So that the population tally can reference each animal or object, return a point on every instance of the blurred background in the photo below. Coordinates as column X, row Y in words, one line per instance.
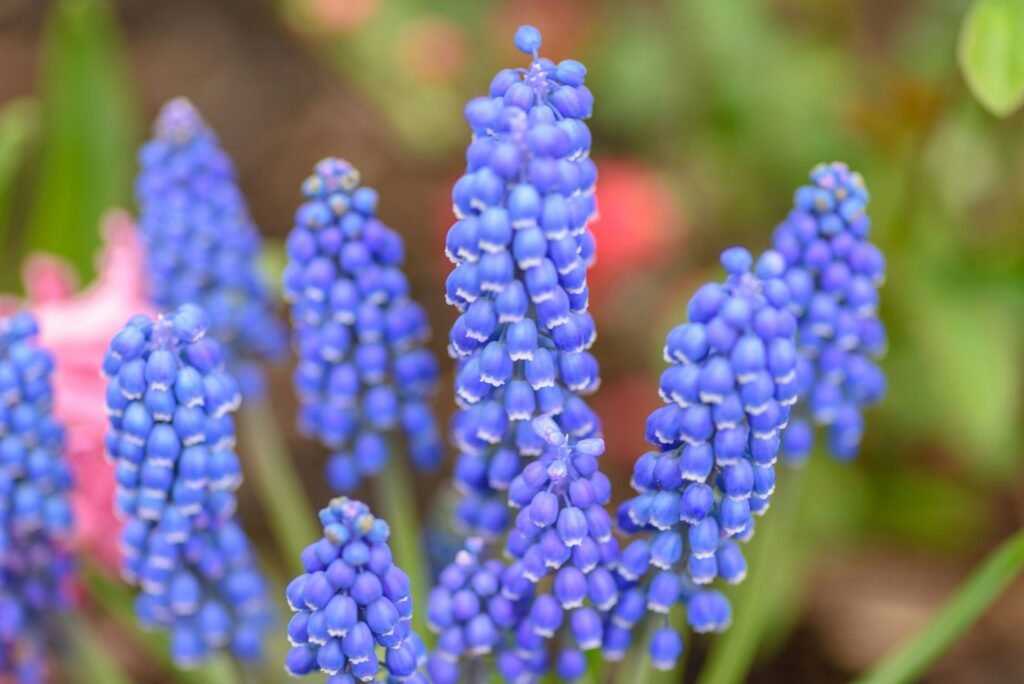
column 708, row 115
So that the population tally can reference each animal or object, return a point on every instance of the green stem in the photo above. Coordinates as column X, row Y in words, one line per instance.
column 770, row 557
column 912, row 659
column 90, row 658
column 636, row 667
column 220, row 668
column 117, row 602
column 292, row 520
column 596, row 666
column 396, row 497
column 677, row 620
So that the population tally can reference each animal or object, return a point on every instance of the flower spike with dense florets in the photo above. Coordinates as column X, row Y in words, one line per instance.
column 172, row 439
column 200, row 242
column 470, row 614
column 521, row 249
column 563, row 532
column 353, row 610
column 833, row 273
column 728, row 396
column 36, row 566
column 363, row 371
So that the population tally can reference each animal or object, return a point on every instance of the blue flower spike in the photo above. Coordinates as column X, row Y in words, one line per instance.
column 36, row 565
column 171, row 439
column 833, row 272
column 521, row 247
column 352, row 607
column 563, row 551
column 728, row 393
column 201, row 245
column 470, row 614
column 363, row 372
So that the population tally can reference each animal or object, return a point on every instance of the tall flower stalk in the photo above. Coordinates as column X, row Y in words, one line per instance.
column 353, row 609
column 521, row 248
column 201, row 245
column 833, row 272
column 170, row 403
column 728, row 394
column 36, row 566
column 363, row 374
column 527, row 440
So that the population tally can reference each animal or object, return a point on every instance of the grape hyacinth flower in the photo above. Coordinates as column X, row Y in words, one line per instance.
column 36, row 566
column 833, row 273
column 363, row 370
column 728, row 393
column 471, row 615
column 171, row 439
column 521, row 249
column 76, row 327
column 352, row 605
column 201, row 245
column 562, row 531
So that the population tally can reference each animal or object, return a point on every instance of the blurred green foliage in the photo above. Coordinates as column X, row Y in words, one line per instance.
column 732, row 103
column 90, row 131
column 18, row 123
column 908, row 662
column 992, row 55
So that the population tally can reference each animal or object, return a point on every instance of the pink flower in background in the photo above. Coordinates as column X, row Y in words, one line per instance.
column 341, row 15
column 639, row 224
column 432, row 48
column 77, row 328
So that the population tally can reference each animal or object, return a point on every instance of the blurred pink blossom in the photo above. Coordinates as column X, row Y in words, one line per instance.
column 77, row 327
column 341, row 15
column 432, row 48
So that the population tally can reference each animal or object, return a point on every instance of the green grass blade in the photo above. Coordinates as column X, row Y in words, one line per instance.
column 912, row 659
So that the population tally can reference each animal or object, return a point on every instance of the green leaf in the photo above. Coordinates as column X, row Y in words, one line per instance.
column 89, row 131
column 911, row 660
column 18, row 123
column 992, row 54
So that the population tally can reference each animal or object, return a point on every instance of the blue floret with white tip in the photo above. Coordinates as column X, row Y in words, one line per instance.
column 728, row 392
column 833, row 272
column 363, row 371
column 36, row 565
column 352, row 606
column 521, row 248
column 171, row 438
column 564, row 533
column 471, row 615
column 201, row 246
